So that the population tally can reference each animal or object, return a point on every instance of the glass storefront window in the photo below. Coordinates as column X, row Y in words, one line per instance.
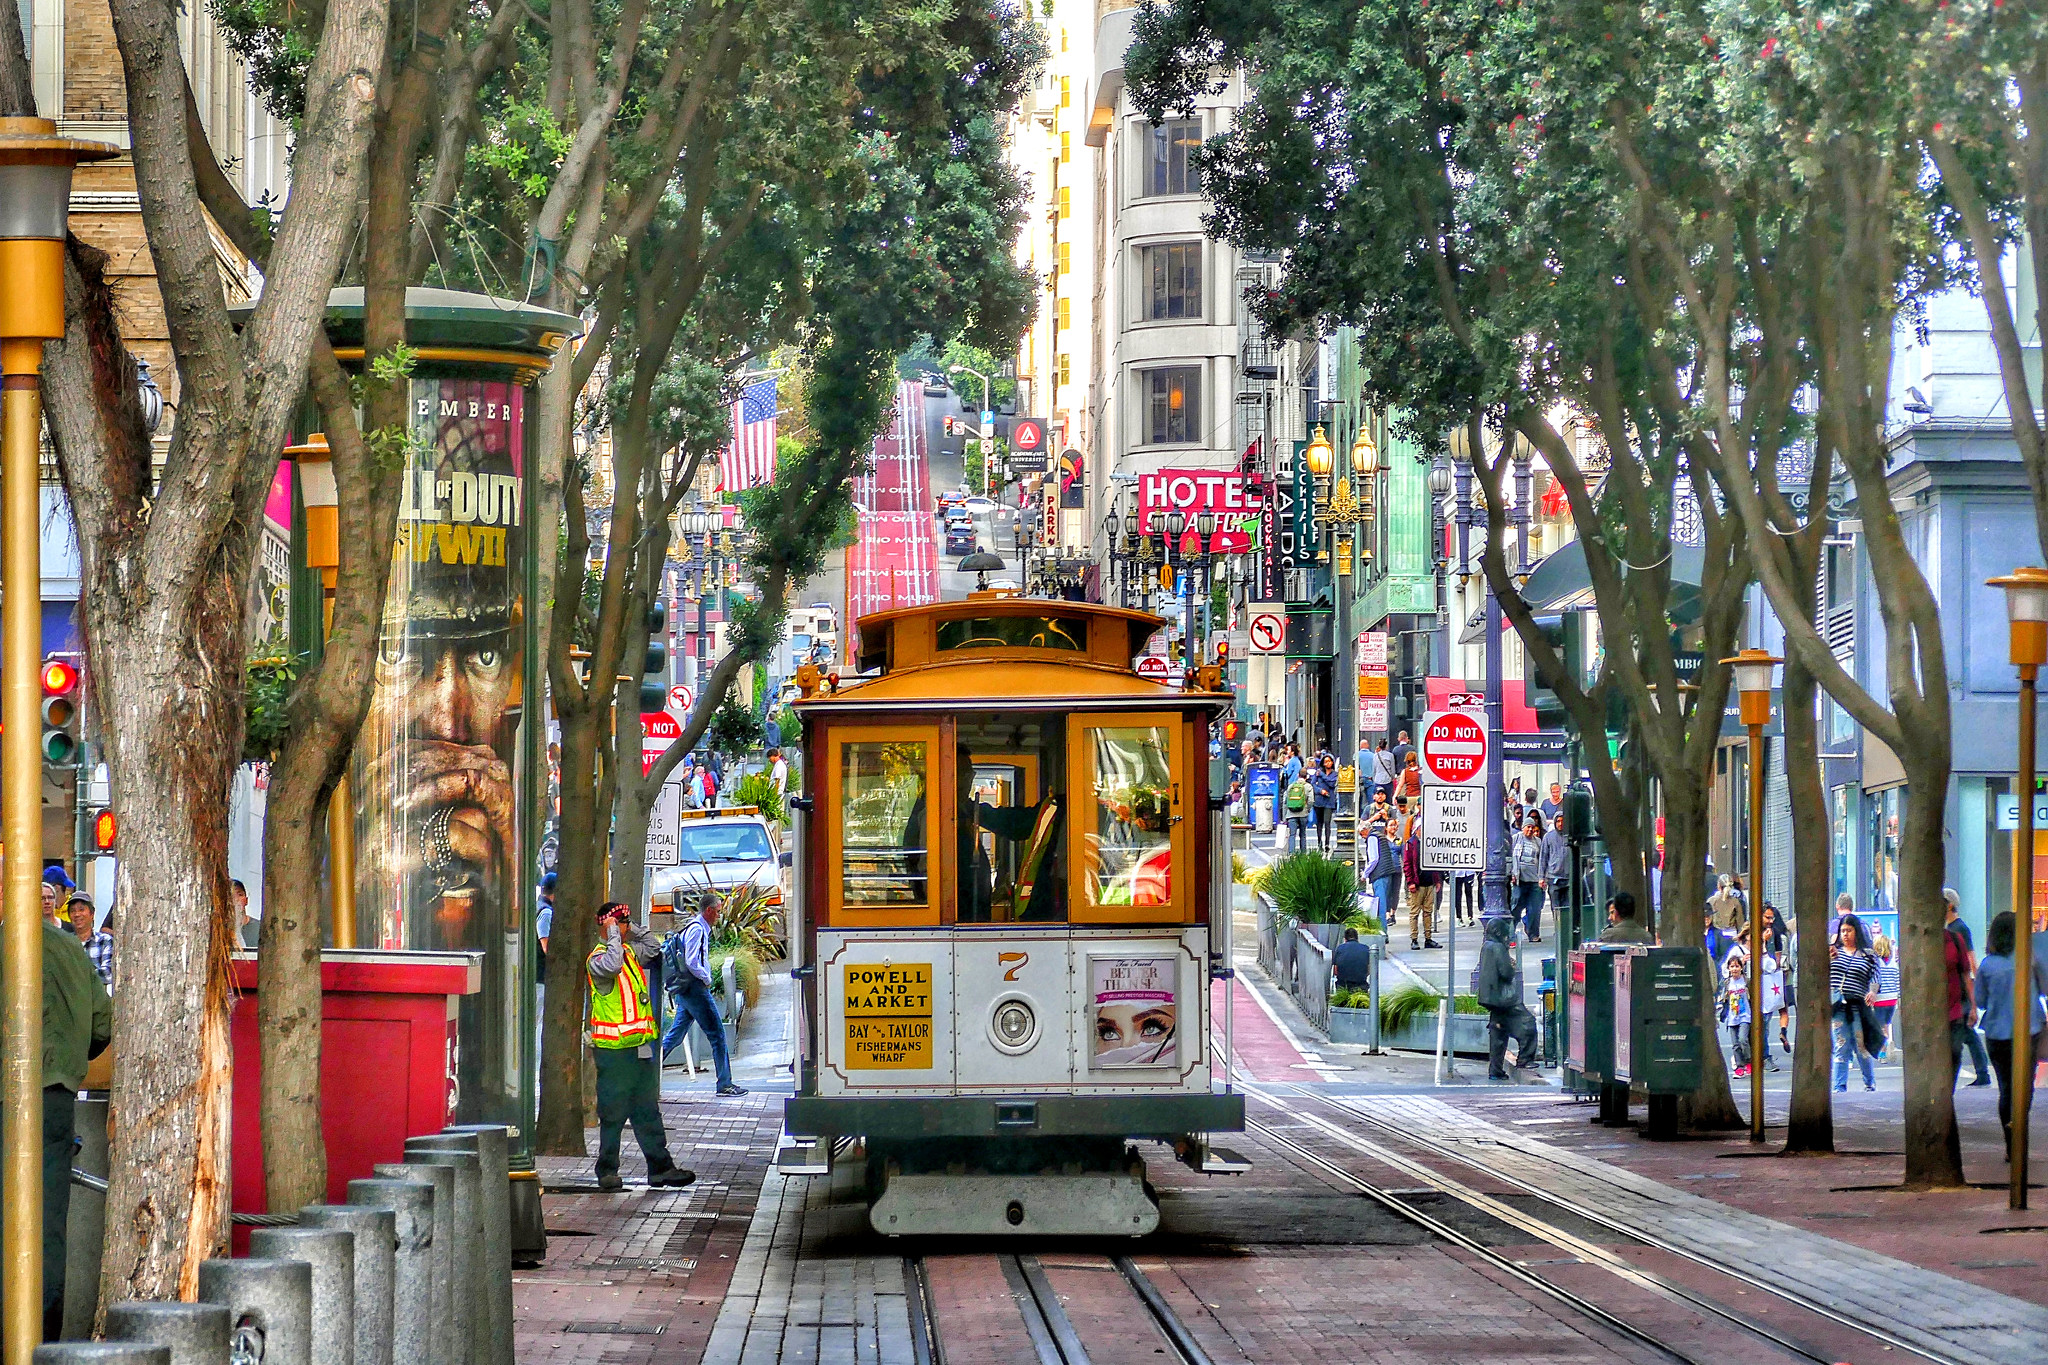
column 883, row 789
column 1129, row 817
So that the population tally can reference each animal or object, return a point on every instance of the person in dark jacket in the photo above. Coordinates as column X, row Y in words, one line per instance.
column 1500, row 991
column 1557, row 868
column 1322, row 784
column 1352, row 961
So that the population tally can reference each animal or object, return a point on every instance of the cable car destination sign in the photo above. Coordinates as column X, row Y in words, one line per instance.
column 889, row 1016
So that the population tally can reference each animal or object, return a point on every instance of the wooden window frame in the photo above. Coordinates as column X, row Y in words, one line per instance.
column 1081, row 910
column 939, row 808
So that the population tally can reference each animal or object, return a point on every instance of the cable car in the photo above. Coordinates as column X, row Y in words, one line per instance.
column 1012, row 898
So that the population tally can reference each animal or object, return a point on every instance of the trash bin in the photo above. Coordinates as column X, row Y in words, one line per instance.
column 1657, row 1039
column 1589, row 1030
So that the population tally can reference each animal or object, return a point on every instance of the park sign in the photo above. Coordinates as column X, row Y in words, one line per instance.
column 1453, row 749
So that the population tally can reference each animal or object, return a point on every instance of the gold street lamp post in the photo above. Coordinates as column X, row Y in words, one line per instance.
column 35, row 203
column 1753, row 680
column 2026, row 612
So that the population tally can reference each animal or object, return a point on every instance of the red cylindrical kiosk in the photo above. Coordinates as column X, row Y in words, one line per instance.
column 388, row 1061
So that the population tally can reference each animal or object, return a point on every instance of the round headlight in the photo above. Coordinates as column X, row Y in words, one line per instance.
column 1013, row 1027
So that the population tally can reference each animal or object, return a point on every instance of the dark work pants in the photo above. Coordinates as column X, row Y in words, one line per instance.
column 60, row 1129
column 1528, row 907
column 1501, row 1022
column 629, row 1088
column 2001, row 1067
column 1974, row 1041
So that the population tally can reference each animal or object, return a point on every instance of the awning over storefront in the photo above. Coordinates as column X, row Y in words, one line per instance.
column 1561, row 582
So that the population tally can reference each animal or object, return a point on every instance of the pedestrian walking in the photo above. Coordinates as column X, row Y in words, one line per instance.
column 778, row 771
column 1298, row 801
column 1410, row 783
column 1323, row 800
column 98, row 944
column 1993, row 990
column 622, row 1038
column 1422, row 888
column 1403, row 751
column 1290, row 765
column 1465, row 897
column 1735, row 1009
column 1553, row 804
column 78, row 1022
column 686, row 972
column 1384, row 770
column 1500, row 992
column 1557, row 867
column 1884, row 996
column 1954, row 923
column 1852, row 972
column 1962, row 998
column 1525, row 879
column 1724, row 907
column 1778, row 943
column 1380, row 856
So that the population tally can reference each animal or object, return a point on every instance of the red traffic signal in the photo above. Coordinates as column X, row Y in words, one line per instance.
column 103, row 831
column 1232, row 730
column 59, row 678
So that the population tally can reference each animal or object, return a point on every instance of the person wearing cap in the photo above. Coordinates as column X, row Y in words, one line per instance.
column 98, row 944
column 544, row 919
column 623, row 1031
column 57, row 884
column 78, row 1022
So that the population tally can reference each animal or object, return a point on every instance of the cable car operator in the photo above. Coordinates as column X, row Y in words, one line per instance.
column 1038, row 827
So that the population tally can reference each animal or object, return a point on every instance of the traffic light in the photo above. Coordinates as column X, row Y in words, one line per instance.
column 949, row 424
column 654, row 679
column 103, row 831
column 1566, row 636
column 1233, row 731
column 60, row 713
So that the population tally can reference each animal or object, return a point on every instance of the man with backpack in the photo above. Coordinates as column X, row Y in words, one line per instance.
column 686, row 970
column 1422, row 887
column 1297, row 800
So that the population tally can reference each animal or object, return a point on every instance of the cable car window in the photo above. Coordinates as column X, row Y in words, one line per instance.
column 1130, row 815
column 882, row 799
column 1011, row 826
column 1014, row 632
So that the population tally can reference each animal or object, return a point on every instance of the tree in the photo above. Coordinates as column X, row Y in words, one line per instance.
column 1385, row 152
column 166, row 564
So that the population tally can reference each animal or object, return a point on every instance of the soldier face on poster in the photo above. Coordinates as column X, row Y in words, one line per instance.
column 1131, row 1000
column 437, row 847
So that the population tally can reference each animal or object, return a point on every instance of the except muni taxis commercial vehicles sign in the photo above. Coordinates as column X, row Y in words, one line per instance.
column 888, row 1016
column 1453, row 748
column 1453, row 829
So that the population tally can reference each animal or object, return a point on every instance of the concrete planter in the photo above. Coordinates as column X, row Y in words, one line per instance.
column 1467, row 1034
column 1351, row 1026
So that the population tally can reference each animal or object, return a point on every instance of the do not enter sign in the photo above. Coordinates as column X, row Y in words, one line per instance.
column 1453, row 749
column 1153, row 667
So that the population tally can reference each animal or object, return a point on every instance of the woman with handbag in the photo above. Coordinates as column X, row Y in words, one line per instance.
column 1852, row 975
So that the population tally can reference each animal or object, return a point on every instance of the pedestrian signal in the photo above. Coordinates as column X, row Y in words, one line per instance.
column 60, row 713
column 103, row 832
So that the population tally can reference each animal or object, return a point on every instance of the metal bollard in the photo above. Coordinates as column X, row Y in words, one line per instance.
column 441, row 1252
column 332, row 1254
column 411, row 1204
column 492, row 1143
column 376, row 1233
column 270, row 1307
column 195, row 1333
column 101, row 1353
column 468, row 1309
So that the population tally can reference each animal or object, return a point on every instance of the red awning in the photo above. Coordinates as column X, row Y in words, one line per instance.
column 1517, row 716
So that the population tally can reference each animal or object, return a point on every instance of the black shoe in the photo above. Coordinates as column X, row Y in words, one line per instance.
column 1981, row 1080
column 675, row 1177
column 1431, row 943
column 1498, row 1076
column 1415, row 947
column 732, row 1090
column 609, row 1183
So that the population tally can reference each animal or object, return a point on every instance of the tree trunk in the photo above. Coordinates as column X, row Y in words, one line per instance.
column 579, row 890
column 1934, row 1152
column 1812, row 1124
column 1682, row 920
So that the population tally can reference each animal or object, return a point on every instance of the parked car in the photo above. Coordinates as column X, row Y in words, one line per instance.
column 934, row 382
column 980, row 506
column 720, row 850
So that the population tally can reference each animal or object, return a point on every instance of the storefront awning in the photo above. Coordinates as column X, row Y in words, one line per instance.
column 1561, row 582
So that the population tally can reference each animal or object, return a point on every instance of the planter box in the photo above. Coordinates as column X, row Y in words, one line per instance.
column 1351, row 1026
column 1467, row 1034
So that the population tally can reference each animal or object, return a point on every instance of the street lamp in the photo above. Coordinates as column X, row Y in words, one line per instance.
column 35, row 207
column 1753, row 680
column 2026, row 612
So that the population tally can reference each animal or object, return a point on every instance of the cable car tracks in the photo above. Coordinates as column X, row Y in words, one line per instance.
column 1128, row 1317
column 1579, row 1248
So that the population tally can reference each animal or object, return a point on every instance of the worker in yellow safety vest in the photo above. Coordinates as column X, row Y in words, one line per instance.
column 623, row 1030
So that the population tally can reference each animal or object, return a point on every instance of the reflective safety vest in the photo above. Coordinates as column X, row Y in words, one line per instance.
column 621, row 1017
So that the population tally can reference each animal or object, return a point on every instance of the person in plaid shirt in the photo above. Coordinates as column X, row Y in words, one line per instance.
column 98, row 946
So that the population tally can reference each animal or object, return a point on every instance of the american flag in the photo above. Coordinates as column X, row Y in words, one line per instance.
column 749, row 461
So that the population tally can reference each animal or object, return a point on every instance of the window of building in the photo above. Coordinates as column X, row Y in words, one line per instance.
column 1173, row 405
column 1066, row 147
column 1063, row 256
column 1168, row 169
column 1066, row 202
column 1172, row 280
column 1063, row 369
column 1062, row 312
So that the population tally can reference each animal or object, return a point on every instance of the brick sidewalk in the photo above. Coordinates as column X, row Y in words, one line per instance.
column 636, row 1278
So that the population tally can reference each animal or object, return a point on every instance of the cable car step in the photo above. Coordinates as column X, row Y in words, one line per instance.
column 1101, row 1204
column 1223, row 1161
column 803, row 1155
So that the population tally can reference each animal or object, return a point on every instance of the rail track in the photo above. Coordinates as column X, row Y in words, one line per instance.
column 1591, row 1253
column 1141, row 1312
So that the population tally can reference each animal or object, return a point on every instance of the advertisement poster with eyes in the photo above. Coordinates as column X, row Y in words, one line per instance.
column 1136, row 1020
column 433, row 772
